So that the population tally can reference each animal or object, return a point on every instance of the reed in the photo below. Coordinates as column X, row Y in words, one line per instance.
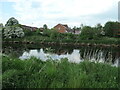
column 35, row 73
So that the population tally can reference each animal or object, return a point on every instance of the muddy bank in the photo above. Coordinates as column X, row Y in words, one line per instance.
column 63, row 44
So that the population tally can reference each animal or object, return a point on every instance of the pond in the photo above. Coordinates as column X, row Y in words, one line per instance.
column 109, row 55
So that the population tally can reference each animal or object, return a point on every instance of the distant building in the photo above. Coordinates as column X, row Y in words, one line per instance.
column 116, row 31
column 62, row 28
column 29, row 28
column 77, row 32
column 41, row 29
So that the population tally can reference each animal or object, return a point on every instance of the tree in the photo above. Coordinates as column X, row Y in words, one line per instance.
column 54, row 34
column 81, row 26
column 45, row 27
column 1, row 30
column 99, row 30
column 88, row 33
column 13, row 32
column 111, row 28
column 12, row 29
column 12, row 21
column 108, row 28
column 1, row 26
column 99, row 26
column 38, row 31
column 74, row 28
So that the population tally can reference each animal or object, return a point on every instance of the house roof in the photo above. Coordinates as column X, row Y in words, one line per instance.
column 29, row 27
column 64, row 25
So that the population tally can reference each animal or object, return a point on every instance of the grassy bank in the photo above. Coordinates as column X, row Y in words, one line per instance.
column 34, row 73
column 46, row 39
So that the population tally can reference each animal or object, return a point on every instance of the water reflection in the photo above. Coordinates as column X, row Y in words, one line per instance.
column 74, row 54
column 96, row 55
column 73, row 57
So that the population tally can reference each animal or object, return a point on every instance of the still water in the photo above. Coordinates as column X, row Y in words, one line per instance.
column 74, row 54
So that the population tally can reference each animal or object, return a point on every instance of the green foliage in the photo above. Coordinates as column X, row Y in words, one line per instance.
column 93, row 35
column 12, row 21
column 111, row 28
column 38, row 32
column 34, row 73
column 12, row 29
column 13, row 32
column 99, row 26
column 28, row 32
column 89, row 33
column 1, row 30
column 76, row 28
column 10, row 65
column 52, row 34
column 45, row 27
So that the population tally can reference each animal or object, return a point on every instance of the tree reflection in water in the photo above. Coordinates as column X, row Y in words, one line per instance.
column 75, row 54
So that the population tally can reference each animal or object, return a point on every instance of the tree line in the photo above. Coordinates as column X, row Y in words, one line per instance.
column 13, row 29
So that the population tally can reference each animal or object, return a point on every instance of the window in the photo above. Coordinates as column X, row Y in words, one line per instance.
column 59, row 28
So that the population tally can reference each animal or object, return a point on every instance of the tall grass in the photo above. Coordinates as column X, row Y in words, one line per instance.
column 34, row 73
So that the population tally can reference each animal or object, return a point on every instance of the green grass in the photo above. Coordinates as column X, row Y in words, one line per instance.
column 66, row 39
column 34, row 73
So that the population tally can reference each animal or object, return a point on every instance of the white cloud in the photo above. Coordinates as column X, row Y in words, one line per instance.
column 9, row 0
column 36, row 12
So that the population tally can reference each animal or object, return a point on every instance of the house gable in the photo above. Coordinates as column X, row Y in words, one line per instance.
column 61, row 28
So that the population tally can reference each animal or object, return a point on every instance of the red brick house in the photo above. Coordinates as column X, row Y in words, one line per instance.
column 61, row 28
column 117, row 31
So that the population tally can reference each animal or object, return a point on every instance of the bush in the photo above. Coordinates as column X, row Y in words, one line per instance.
column 89, row 33
column 13, row 32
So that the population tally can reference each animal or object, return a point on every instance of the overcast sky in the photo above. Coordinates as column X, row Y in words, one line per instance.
column 51, row 12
